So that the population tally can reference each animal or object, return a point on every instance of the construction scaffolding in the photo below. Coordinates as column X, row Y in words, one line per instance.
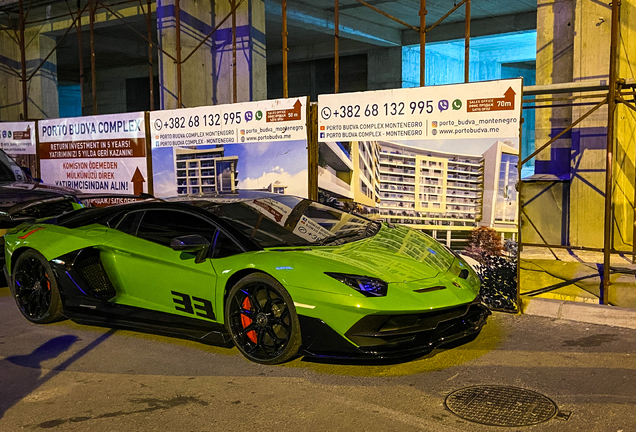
column 618, row 91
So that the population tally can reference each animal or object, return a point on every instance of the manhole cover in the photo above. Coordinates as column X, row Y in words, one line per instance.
column 500, row 406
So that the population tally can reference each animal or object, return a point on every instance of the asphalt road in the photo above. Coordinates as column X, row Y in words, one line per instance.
column 67, row 377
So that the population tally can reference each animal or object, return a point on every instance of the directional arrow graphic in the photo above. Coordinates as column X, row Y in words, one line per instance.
column 285, row 115
column 493, row 104
column 138, row 182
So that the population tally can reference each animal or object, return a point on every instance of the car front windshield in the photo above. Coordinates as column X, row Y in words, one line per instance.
column 292, row 221
column 9, row 170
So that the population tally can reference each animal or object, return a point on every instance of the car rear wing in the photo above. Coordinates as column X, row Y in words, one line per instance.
column 31, row 210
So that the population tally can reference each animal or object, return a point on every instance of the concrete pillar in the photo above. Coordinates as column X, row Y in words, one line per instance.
column 589, row 140
column 625, row 132
column 10, row 90
column 555, row 42
column 41, row 89
column 207, row 75
column 384, row 69
column 573, row 40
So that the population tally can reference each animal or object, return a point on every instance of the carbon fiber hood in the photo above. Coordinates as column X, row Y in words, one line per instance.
column 398, row 254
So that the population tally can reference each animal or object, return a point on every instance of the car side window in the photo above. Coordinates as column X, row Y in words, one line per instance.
column 161, row 226
column 129, row 223
column 224, row 246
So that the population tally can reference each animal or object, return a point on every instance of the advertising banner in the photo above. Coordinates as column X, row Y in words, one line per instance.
column 441, row 158
column 18, row 138
column 95, row 154
column 223, row 149
column 483, row 110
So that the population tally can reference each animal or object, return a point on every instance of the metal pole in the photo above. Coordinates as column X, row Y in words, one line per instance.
column 284, row 34
column 150, row 68
column 25, row 100
column 177, row 12
column 467, row 45
column 234, row 87
column 564, row 131
column 519, row 187
column 389, row 16
column 634, row 230
column 209, row 35
column 336, row 58
column 422, row 43
column 611, row 105
column 446, row 15
column 312, row 153
column 81, row 56
column 91, row 10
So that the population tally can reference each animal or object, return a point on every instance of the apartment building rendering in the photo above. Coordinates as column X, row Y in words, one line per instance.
column 201, row 171
column 350, row 171
column 448, row 194
column 445, row 194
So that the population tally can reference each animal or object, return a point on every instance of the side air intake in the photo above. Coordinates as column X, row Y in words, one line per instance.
column 89, row 266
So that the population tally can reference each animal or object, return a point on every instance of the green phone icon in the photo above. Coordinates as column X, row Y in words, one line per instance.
column 457, row 104
column 259, row 115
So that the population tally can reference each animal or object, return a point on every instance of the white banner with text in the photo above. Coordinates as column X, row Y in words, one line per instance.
column 95, row 154
column 18, row 138
column 222, row 149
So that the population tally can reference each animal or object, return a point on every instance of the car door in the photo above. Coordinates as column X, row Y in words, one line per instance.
column 150, row 275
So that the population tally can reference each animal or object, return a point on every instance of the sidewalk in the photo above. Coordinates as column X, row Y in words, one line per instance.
column 577, row 311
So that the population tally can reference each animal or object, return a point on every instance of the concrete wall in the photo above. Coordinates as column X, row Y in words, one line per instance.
column 111, row 89
column 41, row 89
column 207, row 75
column 445, row 60
column 385, row 67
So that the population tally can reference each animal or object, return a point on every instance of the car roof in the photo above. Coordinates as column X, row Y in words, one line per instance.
column 105, row 215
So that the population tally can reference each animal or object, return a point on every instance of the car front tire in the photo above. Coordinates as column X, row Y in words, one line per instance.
column 261, row 317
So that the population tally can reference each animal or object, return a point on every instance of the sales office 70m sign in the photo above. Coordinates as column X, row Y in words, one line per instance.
column 96, row 154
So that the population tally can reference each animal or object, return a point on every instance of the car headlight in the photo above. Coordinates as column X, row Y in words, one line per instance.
column 367, row 286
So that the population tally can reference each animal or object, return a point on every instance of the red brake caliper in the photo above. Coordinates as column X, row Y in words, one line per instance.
column 246, row 321
column 48, row 283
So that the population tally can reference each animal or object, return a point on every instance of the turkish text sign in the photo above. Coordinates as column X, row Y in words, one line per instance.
column 95, row 154
column 18, row 138
column 473, row 110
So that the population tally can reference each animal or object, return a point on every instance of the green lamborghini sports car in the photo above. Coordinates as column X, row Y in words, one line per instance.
column 277, row 276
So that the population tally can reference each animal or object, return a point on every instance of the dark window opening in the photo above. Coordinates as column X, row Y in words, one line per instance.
column 138, row 94
column 161, row 226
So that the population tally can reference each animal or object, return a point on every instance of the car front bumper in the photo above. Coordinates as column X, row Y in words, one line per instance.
column 393, row 336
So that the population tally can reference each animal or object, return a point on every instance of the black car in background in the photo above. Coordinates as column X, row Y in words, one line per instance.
column 22, row 198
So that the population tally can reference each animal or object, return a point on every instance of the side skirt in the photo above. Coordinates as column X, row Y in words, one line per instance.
column 144, row 320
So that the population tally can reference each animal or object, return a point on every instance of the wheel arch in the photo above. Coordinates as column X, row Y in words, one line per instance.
column 233, row 280
column 16, row 254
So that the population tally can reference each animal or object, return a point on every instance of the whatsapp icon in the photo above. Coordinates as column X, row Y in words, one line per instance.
column 457, row 104
column 259, row 115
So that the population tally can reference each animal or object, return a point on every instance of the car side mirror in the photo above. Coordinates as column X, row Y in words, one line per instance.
column 193, row 243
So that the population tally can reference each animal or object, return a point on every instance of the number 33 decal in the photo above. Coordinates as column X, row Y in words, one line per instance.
column 188, row 304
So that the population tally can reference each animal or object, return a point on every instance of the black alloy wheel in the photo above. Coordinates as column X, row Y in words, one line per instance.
column 35, row 289
column 261, row 317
